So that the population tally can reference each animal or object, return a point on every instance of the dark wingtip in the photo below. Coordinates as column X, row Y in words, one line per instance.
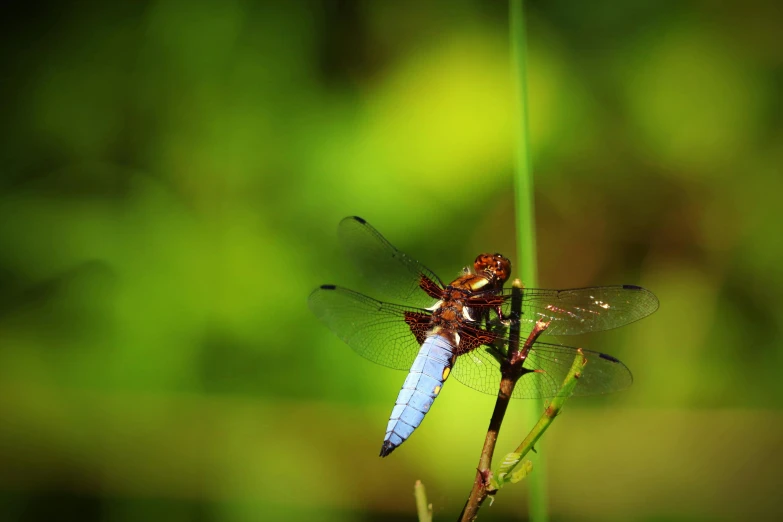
column 328, row 287
column 652, row 299
column 360, row 220
column 387, row 448
column 608, row 357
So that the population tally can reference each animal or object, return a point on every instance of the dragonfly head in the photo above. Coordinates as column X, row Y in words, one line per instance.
column 494, row 266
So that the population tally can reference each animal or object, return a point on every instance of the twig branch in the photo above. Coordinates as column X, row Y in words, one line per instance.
column 510, row 374
column 512, row 368
column 486, row 484
column 551, row 411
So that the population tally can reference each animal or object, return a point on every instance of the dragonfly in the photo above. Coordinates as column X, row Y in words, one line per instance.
column 435, row 330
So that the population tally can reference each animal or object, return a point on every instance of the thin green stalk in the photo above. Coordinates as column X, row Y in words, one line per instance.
column 523, row 171
column 551, row 411
column 423, row 508
column 526, row 230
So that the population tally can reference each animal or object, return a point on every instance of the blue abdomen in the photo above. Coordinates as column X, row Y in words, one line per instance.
column 425, row 379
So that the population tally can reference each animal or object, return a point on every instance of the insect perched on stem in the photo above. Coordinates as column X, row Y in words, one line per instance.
column 461, row 328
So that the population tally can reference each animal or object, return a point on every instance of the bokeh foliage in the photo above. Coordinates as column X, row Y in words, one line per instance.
column 172, row 176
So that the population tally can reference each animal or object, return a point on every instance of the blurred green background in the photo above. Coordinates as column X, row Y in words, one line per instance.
column 172, row 176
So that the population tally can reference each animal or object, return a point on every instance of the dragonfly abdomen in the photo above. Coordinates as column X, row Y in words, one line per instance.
column 425, row 379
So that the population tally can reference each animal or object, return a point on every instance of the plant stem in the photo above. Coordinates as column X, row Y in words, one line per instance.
column 523, row 172
column 510, row 374
column 479, row 492
column 482, row 486
column 554, row 408
column 422, row 507
column 525, row 207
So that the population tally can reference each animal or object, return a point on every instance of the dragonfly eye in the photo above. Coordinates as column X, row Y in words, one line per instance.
column 495, row 265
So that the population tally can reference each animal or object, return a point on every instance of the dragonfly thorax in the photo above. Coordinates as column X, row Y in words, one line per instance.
column 451, row 313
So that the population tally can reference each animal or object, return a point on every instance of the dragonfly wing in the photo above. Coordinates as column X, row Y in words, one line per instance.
column 384, row 333
column 392, row 273
column 478, row 369
column 582, row 310
column 601, row 375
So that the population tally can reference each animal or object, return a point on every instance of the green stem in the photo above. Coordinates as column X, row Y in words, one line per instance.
column 422, row 507
column 553, row 410
column 525, row 207
column 523, row 173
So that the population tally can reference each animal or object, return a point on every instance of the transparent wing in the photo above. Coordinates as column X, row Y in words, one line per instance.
column 393, row 274
column 381, row 332
column 478, row 369
column 390, row 335
column 582, row 310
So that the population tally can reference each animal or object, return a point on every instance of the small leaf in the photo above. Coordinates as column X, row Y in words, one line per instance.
column 509, row 461
column 522, row 472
